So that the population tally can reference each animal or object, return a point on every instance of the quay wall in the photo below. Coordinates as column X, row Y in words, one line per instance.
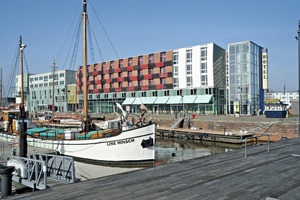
column 258, row 125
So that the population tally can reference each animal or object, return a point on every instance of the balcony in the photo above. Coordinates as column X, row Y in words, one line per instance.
column 148, row 76
column 159, row 87
column 146, row 87
column 106, row 90
column 159, row 64
column 145, row 66
column 121, row 79
column 109, row 80
column 130, row 88
column 163, row 75
column 95, row 73
column 129, row 68
column 133, row 78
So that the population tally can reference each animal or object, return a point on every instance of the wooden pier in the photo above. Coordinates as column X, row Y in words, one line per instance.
column 205, row 135
column 262, row 174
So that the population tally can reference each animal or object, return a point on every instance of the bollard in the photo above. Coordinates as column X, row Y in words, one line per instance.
column 6, row 180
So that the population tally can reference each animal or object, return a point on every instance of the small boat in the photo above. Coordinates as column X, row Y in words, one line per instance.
column 118, row 142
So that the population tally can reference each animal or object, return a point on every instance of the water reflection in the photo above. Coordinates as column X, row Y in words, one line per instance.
column 174, row 150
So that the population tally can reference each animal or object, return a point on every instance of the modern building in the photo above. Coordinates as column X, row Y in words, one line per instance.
column 247, row 78
column 201, row 79
column 187, row 79
column 284, row 97
column 38, row 91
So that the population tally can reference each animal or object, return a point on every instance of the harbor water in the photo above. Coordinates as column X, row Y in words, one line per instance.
column 167, row 151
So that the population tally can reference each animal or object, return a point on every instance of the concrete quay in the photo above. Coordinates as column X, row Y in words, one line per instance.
column 243, row 125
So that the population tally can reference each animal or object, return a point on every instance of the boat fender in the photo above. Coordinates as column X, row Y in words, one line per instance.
column 147, row 143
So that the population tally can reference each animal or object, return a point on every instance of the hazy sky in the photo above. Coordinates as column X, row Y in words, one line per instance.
column 137, row 27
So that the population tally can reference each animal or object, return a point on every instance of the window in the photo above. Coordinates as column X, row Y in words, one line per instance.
column 61, row 75
column 143, row 94
column 203, row 68
column 175, row 70
column 175, row 82
column 45, row 78
column 193, row 91
column 151, row 82
column 167, row 93
column 203, row 53
column 120, row 63
column 130, row 63
column 163, row 81
column 140, row 60
column 204, row 80
column 162, row 56
column 189, row 69
column 189, row 55
column 175, row 57
column 151, row 58
column 189, row 81
column 150, row 71
column 40, row 78
column 154, row 93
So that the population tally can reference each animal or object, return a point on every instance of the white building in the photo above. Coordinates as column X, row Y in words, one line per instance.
column 38, row 90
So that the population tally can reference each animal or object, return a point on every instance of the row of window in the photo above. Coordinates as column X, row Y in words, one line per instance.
column 210, row 91
column 46, row 84
column 46, row 78
column 130, row 61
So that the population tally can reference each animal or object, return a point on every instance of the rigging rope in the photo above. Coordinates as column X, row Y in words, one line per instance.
column 75, row 50
column 105, row 32
column 10, row 83
column 60, row 52
column 91, row 43
column 99, row 51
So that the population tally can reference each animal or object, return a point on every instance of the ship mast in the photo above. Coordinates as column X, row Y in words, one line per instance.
column 84, row 69
column 23, row 125
column 22, row 109
column 53, row 82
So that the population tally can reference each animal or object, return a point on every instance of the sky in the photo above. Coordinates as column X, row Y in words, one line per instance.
column 137, row 27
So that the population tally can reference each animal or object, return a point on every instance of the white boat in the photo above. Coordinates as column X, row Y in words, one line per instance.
column 121, row 142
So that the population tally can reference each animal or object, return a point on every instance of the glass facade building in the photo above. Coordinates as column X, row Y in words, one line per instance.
column 245, row 91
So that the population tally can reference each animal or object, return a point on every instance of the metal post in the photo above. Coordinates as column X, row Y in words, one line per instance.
column 268, row 142
column 298, row 38
column 182, row 106
column 245, row 147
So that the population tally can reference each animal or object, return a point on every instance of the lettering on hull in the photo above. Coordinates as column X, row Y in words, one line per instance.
column 118, row 142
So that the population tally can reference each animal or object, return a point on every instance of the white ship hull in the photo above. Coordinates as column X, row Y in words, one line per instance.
column 123, row 148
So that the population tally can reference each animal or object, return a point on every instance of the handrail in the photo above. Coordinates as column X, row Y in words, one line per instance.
column 268, row 134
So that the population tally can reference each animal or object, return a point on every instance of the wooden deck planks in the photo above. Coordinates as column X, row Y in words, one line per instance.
column 222, row 176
